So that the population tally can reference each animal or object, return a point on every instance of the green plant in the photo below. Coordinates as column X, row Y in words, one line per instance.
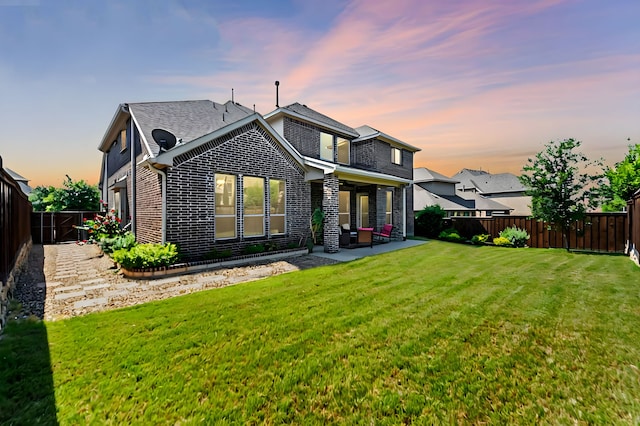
column 102, row 226
column 117, row 242
column 479, row 239
column 429, row 221
column 218, row 254
column 253, row 249
column 502, row 241
column 147, row 256
column 73, row 195
column 316, row 224
column 517, row 236
column 451, row 235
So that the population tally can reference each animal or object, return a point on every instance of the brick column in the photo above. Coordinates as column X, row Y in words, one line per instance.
column 330, row 188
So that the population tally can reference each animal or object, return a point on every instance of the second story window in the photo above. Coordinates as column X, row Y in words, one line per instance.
column 396, row 156
column 326, row 146
column 343, row 151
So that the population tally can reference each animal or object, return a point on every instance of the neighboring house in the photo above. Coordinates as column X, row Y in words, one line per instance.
column 431, row 188
column 233, row 178
column 504, row 188
column 21, row 180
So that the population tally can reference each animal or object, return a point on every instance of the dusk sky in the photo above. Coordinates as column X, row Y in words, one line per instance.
column 475, row 84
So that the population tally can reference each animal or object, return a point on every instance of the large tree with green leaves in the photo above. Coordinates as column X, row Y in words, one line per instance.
column 623, row 181
column 560, row 185
column 72, row 196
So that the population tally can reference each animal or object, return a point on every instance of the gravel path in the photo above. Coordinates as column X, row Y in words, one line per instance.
column 67, row 280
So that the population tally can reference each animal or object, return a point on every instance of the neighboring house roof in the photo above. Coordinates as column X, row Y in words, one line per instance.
column 459, row 202
column 487, row 183
column 303, row 112
column 368, row 132
column 22, row 181
column 422, row 174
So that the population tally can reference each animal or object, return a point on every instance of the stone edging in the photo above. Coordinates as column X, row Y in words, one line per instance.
column 191, row 267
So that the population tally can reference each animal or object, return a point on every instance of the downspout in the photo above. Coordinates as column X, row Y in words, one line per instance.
column 134, row 197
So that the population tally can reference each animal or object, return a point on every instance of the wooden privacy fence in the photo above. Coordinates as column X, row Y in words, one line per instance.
column 58, row 227
column 602, row 232
column 15, row 210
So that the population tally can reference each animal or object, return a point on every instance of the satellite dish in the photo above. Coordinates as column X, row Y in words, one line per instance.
column 165, row 139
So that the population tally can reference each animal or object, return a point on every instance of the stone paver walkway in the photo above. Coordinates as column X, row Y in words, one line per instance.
column 79, row 279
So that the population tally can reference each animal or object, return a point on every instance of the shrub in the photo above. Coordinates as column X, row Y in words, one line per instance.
column 429, row 221
column 147, row 256
column 111, row 244
column 104, row 226
column 517, row 236
column 253, row 249
column 451, row 235
column 502, row 241
column 479, row 239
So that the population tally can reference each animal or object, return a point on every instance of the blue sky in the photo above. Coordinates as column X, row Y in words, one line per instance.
column 476, row 84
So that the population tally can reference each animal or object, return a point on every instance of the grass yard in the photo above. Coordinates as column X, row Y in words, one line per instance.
column 440, row 333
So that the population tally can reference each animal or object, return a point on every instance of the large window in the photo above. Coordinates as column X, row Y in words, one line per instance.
column 388, row 216
column 253, row 204
column 225, row 214
column 344, row 207
column 396, row 156
column 343, row 151
column 277, row 202
column 326, row 146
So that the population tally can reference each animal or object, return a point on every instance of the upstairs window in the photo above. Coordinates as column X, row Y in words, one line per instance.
column 326, row 146
column 123, row 140
column 343, row 151
column 253, row 202
column 225, row 214
column 396, row 156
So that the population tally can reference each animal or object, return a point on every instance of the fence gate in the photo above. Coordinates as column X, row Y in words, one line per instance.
column 57, row 227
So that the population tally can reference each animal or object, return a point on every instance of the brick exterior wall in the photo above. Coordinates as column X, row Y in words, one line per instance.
column 249, row 151
column 149, row 211
column 331, row 186
column 303, row 136
column 375, row 155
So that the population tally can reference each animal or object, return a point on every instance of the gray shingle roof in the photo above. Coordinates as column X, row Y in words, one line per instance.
column 187, row 120
column 422, row 174
column 487, row 183
column 320, row 118
column 459, row 202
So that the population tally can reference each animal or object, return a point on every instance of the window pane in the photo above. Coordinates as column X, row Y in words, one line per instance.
column 225, row 227
column 253, row 225
column 226, row 193
column 344, row 206
column 326, row 146
column 277, row 225
column 225, row 206
column 277, row 196
column 396, row 156
column 389, row 208
column 343, row 151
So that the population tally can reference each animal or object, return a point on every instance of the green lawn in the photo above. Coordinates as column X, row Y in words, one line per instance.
column 440, row 333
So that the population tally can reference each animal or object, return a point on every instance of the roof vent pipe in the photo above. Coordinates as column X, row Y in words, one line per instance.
column 277, row 102
column 232, row 101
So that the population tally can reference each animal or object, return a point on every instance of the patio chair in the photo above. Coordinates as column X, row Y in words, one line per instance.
column 385, row 232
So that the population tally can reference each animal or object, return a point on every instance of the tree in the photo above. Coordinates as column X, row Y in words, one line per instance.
column 561, row 190
column 623, row 181
column 73, row 196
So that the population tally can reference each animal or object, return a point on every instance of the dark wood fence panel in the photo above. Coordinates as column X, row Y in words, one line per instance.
column 15, row 234
column 602, row 232
column 58, row 227
column 633, row 219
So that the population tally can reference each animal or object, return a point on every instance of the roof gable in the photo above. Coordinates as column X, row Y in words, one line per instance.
column 303, row 112
column 368, row 132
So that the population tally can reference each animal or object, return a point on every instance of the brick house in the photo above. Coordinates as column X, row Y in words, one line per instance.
column 234, row 178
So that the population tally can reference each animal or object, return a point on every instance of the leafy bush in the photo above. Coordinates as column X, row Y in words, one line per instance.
column 451, row 235
column 111, row 244
column 253, row 249
column 218, row 254
column 147, row 256
column 104, row 226
column 517, row 236
column 502, row 241
column 429, row 221
column 479, row 239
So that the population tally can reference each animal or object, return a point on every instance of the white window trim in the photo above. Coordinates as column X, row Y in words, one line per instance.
column 263, row 215
column 284, row 215
column 216, row 215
